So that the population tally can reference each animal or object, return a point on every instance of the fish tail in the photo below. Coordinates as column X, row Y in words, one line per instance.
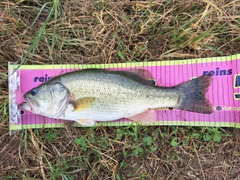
column 193, row 95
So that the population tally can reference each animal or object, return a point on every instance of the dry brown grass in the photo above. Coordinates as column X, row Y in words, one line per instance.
column 117, row 31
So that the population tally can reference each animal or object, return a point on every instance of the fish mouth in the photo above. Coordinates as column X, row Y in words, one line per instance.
column 32, row 103
column 25, row 106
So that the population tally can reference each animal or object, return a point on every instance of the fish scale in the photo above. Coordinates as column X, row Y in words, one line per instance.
column 112, row 85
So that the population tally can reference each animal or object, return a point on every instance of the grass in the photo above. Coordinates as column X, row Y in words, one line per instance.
column 46, row 32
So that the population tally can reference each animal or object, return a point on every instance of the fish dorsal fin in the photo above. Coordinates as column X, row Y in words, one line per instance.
column 140, row 75
column 83, row 103
column 143, row 73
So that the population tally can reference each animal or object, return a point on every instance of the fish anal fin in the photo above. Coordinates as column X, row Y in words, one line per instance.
column 146, row 117
column 83, row 103
column 85, row 122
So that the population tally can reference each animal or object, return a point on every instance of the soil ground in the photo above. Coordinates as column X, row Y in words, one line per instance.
column 105, row 31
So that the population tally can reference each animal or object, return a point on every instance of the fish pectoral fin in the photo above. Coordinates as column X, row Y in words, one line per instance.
column 85, row 122
column 83, row 103
column 146, row 117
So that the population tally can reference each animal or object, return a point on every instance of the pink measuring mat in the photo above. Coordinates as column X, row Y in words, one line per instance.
column 223, row 93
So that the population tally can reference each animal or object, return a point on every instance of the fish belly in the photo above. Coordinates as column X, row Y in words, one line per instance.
column 105, row 110
column 109, row 109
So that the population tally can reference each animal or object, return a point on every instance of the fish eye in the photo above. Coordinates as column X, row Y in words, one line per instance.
column 34, row 91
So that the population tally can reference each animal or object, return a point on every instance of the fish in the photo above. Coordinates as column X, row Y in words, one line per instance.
column 89, row 96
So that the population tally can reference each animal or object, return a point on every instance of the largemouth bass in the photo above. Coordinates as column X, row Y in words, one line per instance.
column 91, row 95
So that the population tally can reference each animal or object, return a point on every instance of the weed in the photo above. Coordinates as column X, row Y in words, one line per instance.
column 4, row 108
column 174, row 142
column 138, row 151
column 51, row 136
column 42, row 31
column 82, row 142
column 213, row 134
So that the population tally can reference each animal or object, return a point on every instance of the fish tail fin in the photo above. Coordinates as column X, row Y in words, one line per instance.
column 193, row 95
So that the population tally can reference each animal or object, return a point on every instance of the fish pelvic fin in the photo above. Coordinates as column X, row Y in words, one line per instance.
column 85, row 122
column 193, row 95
